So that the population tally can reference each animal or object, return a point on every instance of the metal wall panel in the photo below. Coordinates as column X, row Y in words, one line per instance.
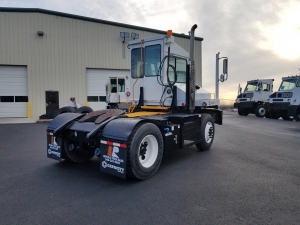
column 58, row 60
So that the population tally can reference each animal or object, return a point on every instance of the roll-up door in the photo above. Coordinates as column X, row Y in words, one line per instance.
column 13, row 91
column 95, row 82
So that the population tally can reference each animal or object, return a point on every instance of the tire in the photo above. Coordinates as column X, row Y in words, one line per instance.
column 297, row 115
column 73, row 152
column 144, row 151
column 84, row 109
column 273, row 115
column 242, row 112
column 287, row 117
column 66, row 109
column 261, row 111
column 207, row 132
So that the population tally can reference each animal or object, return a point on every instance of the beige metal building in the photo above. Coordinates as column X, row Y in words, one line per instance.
column 48, row 56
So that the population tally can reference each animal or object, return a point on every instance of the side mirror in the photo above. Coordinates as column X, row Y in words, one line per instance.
column 197, row 86
column 225, row 66
column 222, row 78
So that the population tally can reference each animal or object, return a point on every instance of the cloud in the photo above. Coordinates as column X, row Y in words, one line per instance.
column 282, row 38
column 255, row 35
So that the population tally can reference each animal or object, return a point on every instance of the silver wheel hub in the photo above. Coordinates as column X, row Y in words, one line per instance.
column 148, row 151
column 262, row 111
column 209, row 132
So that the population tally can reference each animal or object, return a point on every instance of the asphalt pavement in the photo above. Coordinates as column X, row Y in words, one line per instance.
column 251, row 175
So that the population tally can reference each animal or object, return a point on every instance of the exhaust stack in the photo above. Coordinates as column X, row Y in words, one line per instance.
column 192, row 71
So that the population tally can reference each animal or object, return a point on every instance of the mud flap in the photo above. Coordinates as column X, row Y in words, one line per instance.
column 54, row 145
column 113, row 158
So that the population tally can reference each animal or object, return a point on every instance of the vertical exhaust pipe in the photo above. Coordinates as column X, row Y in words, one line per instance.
column 192, row 71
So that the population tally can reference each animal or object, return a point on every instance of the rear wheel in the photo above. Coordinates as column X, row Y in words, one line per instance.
column 242, row 112
column 273, row 115
column 144, row 151
column 84, row 109
column 66, row 109
column 261, row 111
column 297, row 115
column 207, row 132
column 75, row 152
column 285, row 116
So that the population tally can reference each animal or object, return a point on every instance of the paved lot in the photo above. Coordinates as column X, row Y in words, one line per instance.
column 251, row 175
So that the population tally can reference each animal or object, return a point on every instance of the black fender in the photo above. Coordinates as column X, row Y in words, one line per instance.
column 120, row 129
column 62, row 120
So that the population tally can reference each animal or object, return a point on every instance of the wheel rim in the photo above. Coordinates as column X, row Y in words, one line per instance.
column 148, row 151
column 209, row 132
column 262, row 111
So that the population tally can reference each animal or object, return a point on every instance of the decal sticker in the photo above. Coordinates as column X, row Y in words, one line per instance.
column 54, row 145
column 113, row 159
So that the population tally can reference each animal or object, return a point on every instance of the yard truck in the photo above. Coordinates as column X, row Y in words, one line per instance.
column 164, row 112
column 285, row 102
column 254, row 98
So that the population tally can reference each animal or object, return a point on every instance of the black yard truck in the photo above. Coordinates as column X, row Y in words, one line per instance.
column 164, row 112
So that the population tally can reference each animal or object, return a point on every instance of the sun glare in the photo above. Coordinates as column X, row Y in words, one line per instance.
column 283, row 38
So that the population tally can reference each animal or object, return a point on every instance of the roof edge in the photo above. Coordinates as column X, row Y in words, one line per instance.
column 50, row 12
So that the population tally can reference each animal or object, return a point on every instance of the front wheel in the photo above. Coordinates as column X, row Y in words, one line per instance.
column 261, row 111
column 207, row 132
column 144, row 151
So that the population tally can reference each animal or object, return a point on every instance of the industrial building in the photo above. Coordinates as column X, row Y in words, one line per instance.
column 46, row 57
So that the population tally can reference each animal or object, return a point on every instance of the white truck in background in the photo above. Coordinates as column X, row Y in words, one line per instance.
column 285, row 102
column 254, row 97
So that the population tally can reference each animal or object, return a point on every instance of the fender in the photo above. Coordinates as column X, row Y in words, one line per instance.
column 120, row 129
column 62, row 120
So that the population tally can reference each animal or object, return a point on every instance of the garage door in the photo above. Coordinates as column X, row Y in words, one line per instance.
column 13, row 91
column 95, row 85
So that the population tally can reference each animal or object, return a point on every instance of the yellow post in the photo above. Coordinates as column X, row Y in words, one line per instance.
column 28, row 110
column 86, row 104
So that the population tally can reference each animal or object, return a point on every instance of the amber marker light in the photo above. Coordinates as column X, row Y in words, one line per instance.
column 169, row 33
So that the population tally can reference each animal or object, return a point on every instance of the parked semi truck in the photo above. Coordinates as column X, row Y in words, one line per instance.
column 285, row 102
column 164, row 113
column 254, row 97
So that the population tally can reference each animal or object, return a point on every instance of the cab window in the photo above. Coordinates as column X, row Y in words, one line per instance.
column 136, row 64
column 180, row 67
column 121, row 85
column 152, row 60
column 266, row 87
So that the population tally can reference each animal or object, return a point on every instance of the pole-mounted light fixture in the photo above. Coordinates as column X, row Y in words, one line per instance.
column 124, row 35
column 40, row 33
column 134, row 36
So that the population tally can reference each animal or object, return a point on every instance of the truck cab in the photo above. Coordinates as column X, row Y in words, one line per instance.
column 254, row 97
column 285, row 102
column 117, row 91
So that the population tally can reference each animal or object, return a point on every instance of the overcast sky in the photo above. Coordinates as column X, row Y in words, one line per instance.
column 260, row 38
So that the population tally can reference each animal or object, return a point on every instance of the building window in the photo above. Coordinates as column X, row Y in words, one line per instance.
column 92, row 98
column 21, row 98
column 102, row 98
column 6, row 98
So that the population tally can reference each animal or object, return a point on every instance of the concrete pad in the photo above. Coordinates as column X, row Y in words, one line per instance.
column 16, row 120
